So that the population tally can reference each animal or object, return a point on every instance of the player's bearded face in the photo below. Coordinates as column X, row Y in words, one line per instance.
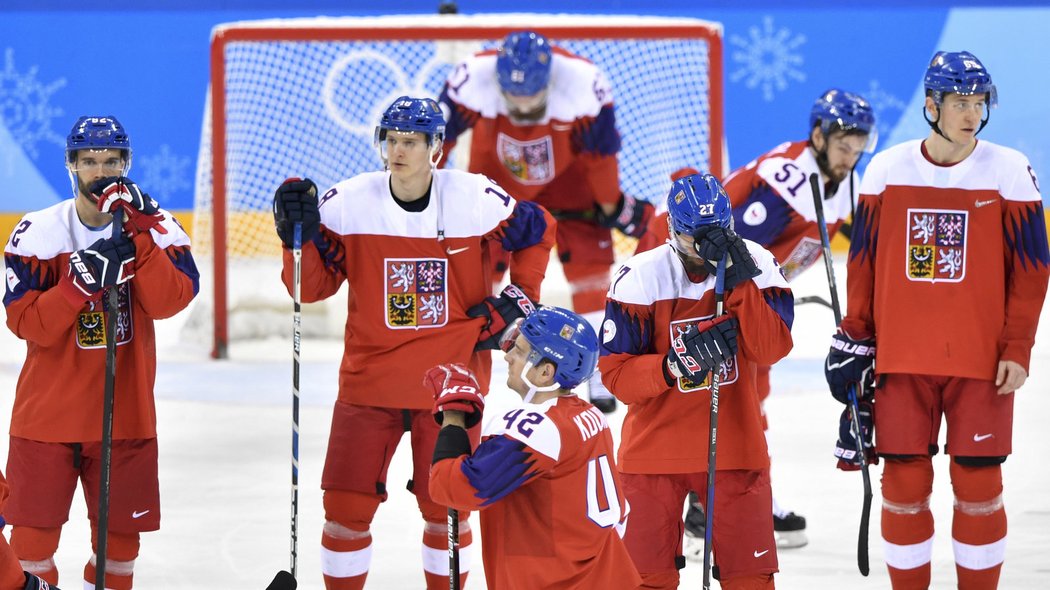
column 527, row 108
column 683, row 246
column 90, row 165
column 840, row 154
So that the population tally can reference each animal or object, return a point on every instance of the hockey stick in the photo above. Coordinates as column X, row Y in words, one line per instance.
column 813, row 299
column 297, row 332
column 862, row 540
column 712, row 442
column 453, row 549
column 113, row 303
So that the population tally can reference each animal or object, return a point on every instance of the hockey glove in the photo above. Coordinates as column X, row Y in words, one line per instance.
column 703, row 347
column 105, row 263
column 499, row 312
column 631, row 216
column 741, row 266
column 846, row 445
column 455, row 389
column 850, row 362
column 711, row 243
column 296, row 202
column 142, row 212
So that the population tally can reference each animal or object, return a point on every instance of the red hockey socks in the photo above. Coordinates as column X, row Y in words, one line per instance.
column 907, row 523
column 435, row 554
column 121, row 551
column 35, row 548
column 978, row 525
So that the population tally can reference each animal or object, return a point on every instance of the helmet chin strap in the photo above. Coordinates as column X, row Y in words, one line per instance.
column 533, row 388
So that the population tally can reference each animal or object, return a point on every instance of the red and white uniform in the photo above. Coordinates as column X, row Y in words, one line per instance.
column 552, row 508
column 773, row 205
column 409, row 290
column 565, row 161
column 934, row 244
column 948, row 270
column 58, row 397
column 651, row 297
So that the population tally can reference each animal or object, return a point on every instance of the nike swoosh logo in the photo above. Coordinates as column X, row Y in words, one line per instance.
column 983, row 203
column 138, row 514
column 761, row 553
column 452, row 251
column 980, row 437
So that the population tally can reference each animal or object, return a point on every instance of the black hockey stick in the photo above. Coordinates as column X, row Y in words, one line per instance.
column 813, row 299
column 712, row 441
column 453, row 549
column 113, row 305
column 862, row 540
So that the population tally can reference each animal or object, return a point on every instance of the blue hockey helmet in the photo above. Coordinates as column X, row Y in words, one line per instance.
column 523, row 64
column 959, row 72
column 413, row 115
column 565, row 339
column 839, row 110
column 695, row 201
column 98, row 133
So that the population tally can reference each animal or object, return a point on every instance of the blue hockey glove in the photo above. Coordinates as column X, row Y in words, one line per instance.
column 850, row 362
column 296, row 202
column 703, row 347
column 105, row 263
column 846, row 445
column 742, row 266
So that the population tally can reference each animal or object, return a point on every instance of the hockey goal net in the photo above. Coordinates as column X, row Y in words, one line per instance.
column 301, row 97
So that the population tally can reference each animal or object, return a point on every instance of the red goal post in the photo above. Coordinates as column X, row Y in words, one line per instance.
column 301, row 97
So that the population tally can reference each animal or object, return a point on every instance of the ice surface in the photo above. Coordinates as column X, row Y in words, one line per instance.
column 225, row 429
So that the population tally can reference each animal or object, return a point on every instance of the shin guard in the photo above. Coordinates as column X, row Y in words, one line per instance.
column 907, row 523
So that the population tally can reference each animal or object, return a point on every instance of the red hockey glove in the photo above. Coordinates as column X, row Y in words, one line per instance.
column 142, row 212
column 499, row 312
column 455, row 389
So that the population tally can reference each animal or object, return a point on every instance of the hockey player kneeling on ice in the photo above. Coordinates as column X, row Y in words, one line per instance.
column 544, row 477
column 949, row 238
column 409, row 240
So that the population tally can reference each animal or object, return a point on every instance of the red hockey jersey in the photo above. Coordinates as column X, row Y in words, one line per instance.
column 60, row 389
column 566, row 161
column 651, row 297
column 413, row 275
column 552, row 508
column 948, row 264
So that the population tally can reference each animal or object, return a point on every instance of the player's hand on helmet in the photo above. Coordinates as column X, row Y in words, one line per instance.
column 703, row 347
column 455, row 389
column 105, row 263
column 711, row 242
column 846, row 445
column 499, row 312
column 850, row 363
column 630, row 217
column 296, row 202
column 117, row 192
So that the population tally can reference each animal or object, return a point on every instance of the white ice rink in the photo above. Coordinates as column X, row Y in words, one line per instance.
column 225, row 427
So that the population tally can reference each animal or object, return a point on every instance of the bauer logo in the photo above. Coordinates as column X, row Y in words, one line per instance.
column 728, row 374
column 530, row 162
column 416, row 292
column 936, row 245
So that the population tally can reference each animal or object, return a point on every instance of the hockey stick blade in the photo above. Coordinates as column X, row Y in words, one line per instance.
column 813, row 299
column 283, row 581
column 862, row 541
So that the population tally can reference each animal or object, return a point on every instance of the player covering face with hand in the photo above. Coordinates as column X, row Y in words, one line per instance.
column 947, row 273
column 409, row 240
column 544, row 476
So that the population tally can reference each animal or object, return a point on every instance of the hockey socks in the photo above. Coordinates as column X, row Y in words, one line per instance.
column 907, row 523
column 978, row 525
column 345, row 556
column 435, row 554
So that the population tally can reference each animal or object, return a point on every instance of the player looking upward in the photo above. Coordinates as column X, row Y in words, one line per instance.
column 410, row 241
column 544, row 126
column 544, row 477
column 947, row 273
column 661, row 340
column 60, row 261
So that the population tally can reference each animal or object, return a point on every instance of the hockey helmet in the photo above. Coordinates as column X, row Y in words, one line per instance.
column 695, row 201
column 959, row 72
column 413, row 115
column 523, row 64
column 839, row 110
column 98, row 133
column 564, row 338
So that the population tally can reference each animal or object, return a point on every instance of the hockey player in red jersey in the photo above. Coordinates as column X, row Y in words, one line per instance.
column 947, row 273
column 773, row 206
column 544, row 127
column 60, row 262
column 544, row 477
column 660, row 342
column 410, row 241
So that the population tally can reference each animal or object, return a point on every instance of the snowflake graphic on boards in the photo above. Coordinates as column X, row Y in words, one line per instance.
column 768, row 58
column 25, row 107
column 881, row 100
column 165, row 173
